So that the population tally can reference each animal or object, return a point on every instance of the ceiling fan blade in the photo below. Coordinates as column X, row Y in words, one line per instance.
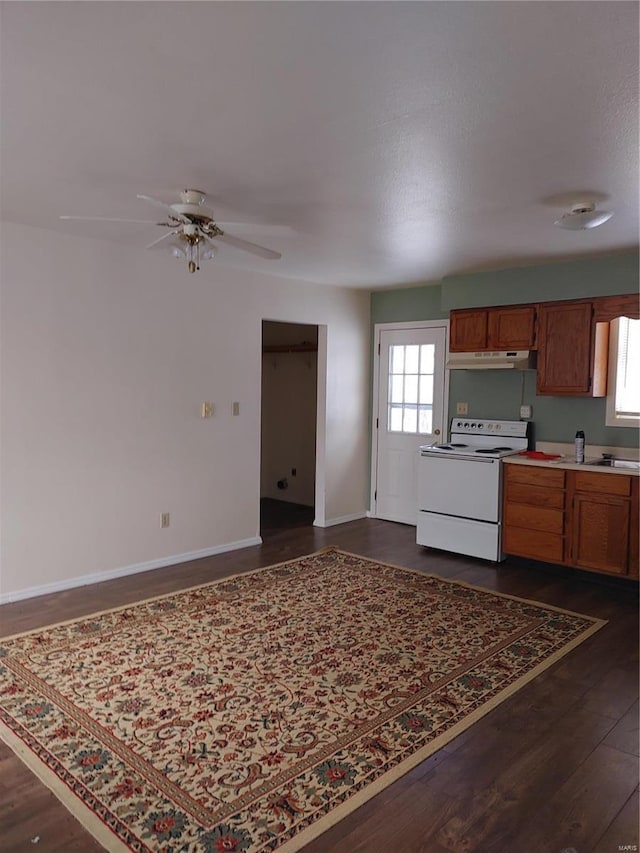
column 110, row 219
column 166, row 207
column 160, row 239
column 257, row 228
column 246, row 246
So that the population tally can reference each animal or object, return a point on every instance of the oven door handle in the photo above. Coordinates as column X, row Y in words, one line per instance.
column 436, row 455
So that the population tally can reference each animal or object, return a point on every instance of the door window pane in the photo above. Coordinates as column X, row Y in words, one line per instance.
column 411, row 389
column 395, row 418
column 426, row 389
column 396, row 359
column 397, row 389
column 410, row 423
column 425, row 420
column 411, row 358
column 427, row 358
column 411, row 384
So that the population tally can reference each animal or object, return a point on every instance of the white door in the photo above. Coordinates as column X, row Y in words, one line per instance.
column 411, row 411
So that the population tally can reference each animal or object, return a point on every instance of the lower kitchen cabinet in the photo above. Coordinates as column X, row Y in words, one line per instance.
column 534, row 513
column 600, row 521
column 583, row 519
column 634, row 530
column 600, row 533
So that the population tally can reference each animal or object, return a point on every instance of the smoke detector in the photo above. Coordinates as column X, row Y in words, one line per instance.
column 583, row 215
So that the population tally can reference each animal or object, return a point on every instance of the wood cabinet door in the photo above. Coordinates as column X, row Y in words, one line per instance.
column 512, row 328
column 564, row 348
column 468, row 331
column 601, row 533
column 634, row 529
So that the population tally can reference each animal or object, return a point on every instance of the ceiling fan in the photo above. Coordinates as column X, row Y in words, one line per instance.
column 192, row 230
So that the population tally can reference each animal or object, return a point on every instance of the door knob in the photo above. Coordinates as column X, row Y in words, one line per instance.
column 436, row 432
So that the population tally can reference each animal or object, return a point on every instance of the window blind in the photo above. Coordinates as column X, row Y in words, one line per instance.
column 627, row 401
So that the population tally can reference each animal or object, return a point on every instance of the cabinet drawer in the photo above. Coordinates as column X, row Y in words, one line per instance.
column 535, row 476
column 548, row 547
column 603, row 484
column 534, row 518
column 523, row 493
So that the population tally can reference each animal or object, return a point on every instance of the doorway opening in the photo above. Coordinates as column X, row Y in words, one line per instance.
column 288, row 425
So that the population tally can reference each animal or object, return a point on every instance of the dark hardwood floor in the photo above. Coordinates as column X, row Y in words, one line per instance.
column 282, row 515
column 553, row 769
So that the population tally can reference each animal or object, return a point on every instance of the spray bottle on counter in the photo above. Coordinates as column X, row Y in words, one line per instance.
column 579, row 444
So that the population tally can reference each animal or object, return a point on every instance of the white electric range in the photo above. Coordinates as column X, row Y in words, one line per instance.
column 460, row 486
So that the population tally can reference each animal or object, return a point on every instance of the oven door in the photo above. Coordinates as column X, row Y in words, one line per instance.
column 465, row 487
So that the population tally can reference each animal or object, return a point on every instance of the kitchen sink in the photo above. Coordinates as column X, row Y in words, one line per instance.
column 632, row 464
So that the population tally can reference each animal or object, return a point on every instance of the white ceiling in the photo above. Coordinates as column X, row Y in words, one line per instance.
column 400, row 141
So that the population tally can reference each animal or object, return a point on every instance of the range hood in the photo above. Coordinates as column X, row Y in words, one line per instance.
column 510, row 359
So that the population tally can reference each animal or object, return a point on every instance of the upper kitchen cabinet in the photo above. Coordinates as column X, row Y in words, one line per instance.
column 468, row 330
column 508, row 328
column 565, row 349
column 512, row 328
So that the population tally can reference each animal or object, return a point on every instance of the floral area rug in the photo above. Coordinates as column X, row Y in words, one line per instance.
column 252, row 713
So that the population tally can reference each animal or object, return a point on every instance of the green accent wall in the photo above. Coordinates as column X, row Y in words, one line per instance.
column 499, row 393
column 409, row 303
column 597, row 276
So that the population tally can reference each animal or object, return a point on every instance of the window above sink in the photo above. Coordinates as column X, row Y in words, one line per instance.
column 623, row 375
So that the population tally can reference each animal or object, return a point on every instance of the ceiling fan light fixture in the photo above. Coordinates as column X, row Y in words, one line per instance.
column 195, row 247
column 582, row 216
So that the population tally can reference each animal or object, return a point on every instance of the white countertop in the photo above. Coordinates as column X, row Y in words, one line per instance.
column 592, row 454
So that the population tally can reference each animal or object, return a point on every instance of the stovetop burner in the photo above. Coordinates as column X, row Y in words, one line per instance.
column 492, row 449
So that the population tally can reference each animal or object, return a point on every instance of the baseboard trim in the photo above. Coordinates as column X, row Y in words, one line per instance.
column 136, row 568
column 341, row 519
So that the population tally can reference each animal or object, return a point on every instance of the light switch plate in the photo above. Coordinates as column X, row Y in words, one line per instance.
column 525, row 412
column 462, row 408
column 207, row 410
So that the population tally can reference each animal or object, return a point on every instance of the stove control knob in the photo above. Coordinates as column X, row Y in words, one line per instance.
column 466, row 424
column 458, row 424
column 472, row 426
column 480, row 426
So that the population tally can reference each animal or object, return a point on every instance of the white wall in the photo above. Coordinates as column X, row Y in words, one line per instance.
column 107, row 353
